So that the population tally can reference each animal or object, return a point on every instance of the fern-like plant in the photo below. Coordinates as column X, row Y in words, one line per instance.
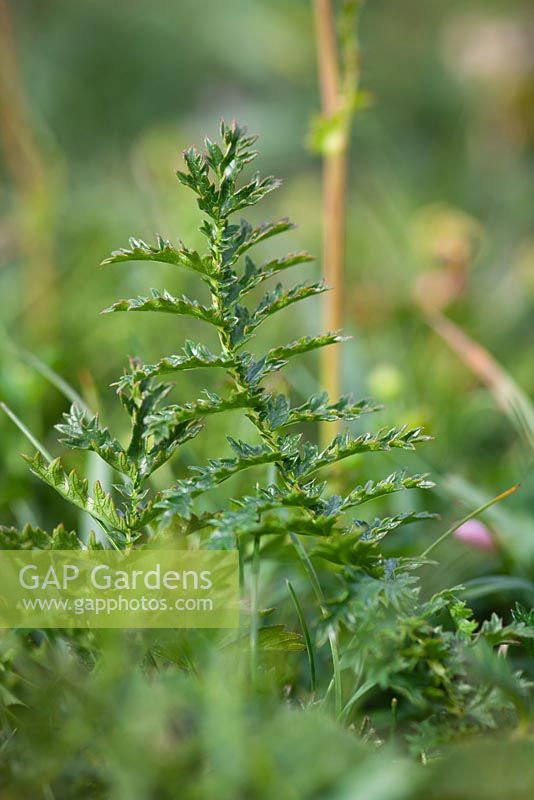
column 296, row 504
column 430, row 652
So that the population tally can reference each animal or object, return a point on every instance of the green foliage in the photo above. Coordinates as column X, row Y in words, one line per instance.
column 75, row 489
column 30, row 538
column 385, row 638
column 159, row 429
column 163, row 301
column 430, row 653
column 164, row 252
column 82, row 433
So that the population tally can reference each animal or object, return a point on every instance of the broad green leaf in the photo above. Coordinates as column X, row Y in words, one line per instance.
column 277, row 638
column 345, row 548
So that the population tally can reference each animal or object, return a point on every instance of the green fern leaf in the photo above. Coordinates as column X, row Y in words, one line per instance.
column 395, row 482
column 343, row 446
column 164, row 251
column 278, row 413
column 376, row 530
column 306, row 344
column 81, row 431
column 30, row 538
column 166, row 303
column 162, row 422
column 193, row 356
column 76, row 490
column 240, row 238
column 277, row 638
column 179, row 498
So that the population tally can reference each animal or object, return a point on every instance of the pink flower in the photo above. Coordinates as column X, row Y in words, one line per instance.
column 475, row 534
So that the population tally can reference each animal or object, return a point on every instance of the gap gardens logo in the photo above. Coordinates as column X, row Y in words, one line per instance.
column 110, row 589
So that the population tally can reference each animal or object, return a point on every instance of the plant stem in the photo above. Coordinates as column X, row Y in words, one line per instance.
column 334, row 199
column 285, row 477
column 394, row 713
column 327, row 55
column 27, row 433
column 307, row 637
column 473, row 514
column 53, row 378
column 360, row 691
column 507, row 394
column 332, row 636
column 338, row 70
column 254, row 611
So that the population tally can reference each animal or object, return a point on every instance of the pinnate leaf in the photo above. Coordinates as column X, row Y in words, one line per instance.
column 164, row 251
column 166, row 303
column 76, row 490
column 81, row 431
column 31, row 538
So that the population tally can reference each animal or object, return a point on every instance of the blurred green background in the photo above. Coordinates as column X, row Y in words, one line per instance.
column 98, row 100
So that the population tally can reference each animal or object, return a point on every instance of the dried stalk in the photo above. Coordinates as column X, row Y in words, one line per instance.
column 338, row 94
